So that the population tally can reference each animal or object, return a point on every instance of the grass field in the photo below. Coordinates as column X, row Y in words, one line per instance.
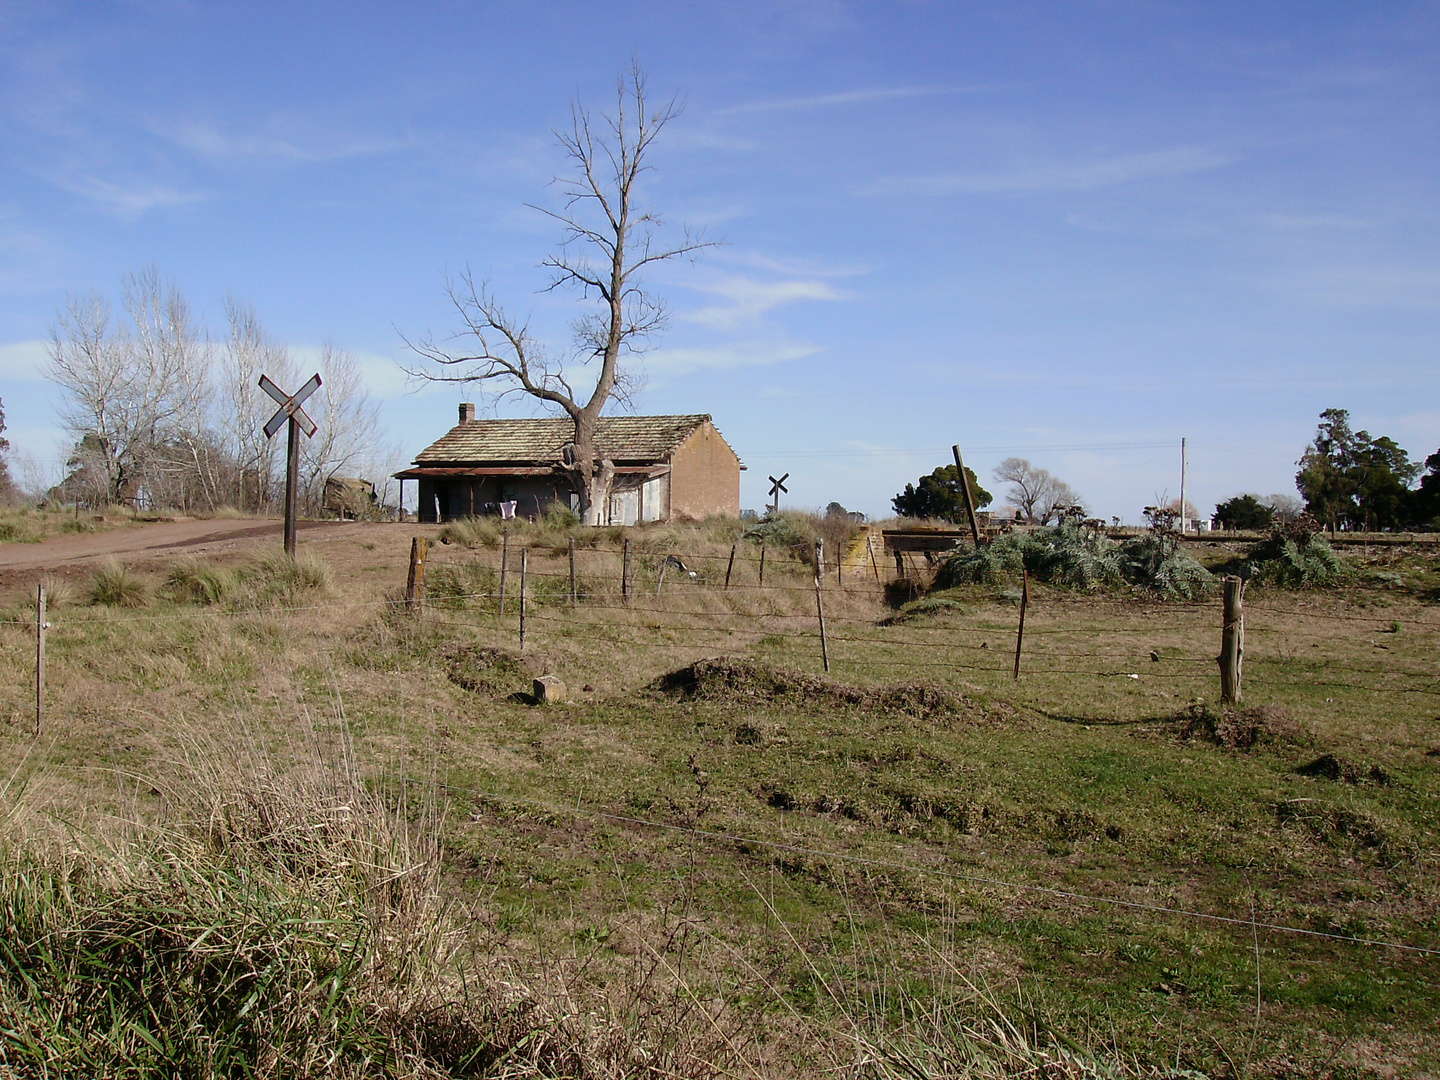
column 917, row 865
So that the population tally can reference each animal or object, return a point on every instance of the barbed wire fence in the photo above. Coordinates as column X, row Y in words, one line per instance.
column 552, row 603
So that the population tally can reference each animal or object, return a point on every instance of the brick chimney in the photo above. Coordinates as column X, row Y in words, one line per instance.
column 467, row 411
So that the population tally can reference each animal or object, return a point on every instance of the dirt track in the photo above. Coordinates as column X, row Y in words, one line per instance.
column 141, row 542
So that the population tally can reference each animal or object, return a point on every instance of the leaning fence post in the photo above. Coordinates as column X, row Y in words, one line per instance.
column 504, row 563
column 1232, row 640
column 573, row 594
column 820, row 603
column 415, row 581
column 40, row 627
column 625, row 572
column 731, row 564
column 524, row 565
column 1024, row 603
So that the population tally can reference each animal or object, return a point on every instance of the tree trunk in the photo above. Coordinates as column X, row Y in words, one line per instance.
column 591, row 478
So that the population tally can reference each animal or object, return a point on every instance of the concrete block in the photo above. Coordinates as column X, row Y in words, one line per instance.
column 550, row 689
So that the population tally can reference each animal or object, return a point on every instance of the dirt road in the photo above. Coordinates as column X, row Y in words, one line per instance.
column 141, row 542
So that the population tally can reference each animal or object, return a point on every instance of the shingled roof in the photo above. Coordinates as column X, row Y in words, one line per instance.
column 620, row 438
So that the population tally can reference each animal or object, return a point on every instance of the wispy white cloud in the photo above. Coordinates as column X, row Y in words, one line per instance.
column 727, row 357
column 23, row 361
column 287, row 143
column 749, row 300
column 1351, row 285
column 129, row 198
column 843, row 98
column 381, row 375
column 1307, row 222
column 1060, row 176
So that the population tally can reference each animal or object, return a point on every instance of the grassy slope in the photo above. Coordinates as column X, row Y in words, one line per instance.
column 1076, row 782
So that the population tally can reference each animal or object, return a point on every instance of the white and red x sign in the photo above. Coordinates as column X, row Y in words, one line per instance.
column 290, row 406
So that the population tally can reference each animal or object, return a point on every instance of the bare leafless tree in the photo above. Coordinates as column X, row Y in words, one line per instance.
column 250, row 352
column 1036, row 493
column 1285, row 507
column 347, row 425
column 131, row 390
column 607, row 244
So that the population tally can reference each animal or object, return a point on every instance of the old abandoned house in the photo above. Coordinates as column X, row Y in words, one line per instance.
column 666, row 468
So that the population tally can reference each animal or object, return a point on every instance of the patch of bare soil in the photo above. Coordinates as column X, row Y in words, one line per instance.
column 725, row 678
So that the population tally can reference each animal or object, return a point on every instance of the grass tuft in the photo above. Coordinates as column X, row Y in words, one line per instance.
column 115, row 585
column 198, row 581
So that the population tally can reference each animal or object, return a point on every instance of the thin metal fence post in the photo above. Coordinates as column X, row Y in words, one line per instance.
column 504, row 566
column 1020, row 634
column 762, row 564
column 625, row 572
column 731, row 564
column 524, row 566
column 820, row 602
column 574, row 594
column 40, row 627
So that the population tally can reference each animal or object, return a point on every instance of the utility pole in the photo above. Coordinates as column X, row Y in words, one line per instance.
column 969, row 496
column 1182, row 485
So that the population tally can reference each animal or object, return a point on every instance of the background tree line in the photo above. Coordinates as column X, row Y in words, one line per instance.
column 1349, row 480
column 164, row 415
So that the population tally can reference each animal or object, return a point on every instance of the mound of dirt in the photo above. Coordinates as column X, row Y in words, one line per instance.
column 1239, row 729
column 724, row 678
column 482, row 669
column 1331, row 767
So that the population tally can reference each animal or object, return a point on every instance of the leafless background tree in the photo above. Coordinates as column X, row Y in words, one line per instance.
column 1286, row 507
column 1035, row 492
column 607, row 244
column 164, row 417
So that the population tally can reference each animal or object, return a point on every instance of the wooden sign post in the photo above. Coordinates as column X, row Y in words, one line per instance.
column 776, row 487
column 298, row 421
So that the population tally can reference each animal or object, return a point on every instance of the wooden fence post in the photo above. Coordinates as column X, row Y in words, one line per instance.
column 1020, row 634
column 625, row 572
column 504, row 565
column 415, row 581
column 524, row 566
column 820, row 603
column 870, row 547
column 731, row 564
column 40, row 626
column 1232, row 640
column 574, row 595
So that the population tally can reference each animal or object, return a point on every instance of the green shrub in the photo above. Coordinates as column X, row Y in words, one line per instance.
column 1293, row 556
column 1072, row 555
column 1156, row 563
column 1068, row 555
column 114, row 585
column 785, row 529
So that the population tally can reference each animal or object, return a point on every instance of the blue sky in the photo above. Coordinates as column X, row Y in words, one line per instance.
column 1070, row 232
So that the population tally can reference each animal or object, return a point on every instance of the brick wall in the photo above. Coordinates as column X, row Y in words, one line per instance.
column 704, row 476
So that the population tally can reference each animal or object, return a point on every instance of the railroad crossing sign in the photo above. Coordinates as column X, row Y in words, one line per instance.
column 776, row 487
column 298, row 421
